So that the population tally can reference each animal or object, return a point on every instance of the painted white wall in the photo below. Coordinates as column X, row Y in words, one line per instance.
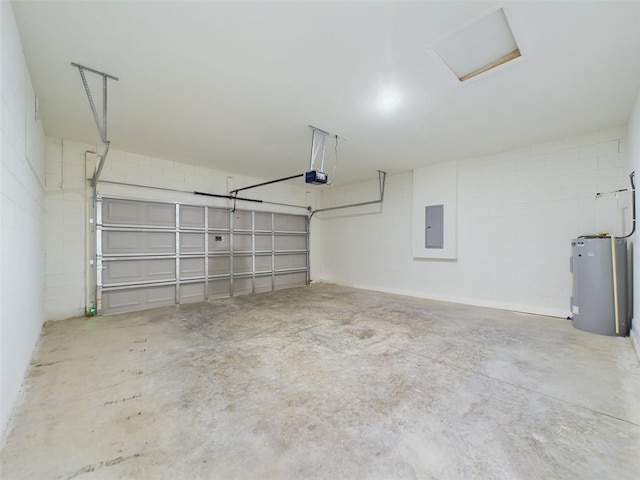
column 634, row 161
column 517, row 213
column 21, row 217
column 436, row 185
column 69, row 206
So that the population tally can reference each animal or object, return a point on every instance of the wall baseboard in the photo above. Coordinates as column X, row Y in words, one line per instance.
column 635, row 340
column 544, row 311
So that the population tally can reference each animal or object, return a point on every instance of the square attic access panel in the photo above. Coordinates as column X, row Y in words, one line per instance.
column 479, row 47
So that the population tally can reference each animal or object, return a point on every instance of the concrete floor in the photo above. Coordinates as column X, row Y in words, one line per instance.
column 326, row 382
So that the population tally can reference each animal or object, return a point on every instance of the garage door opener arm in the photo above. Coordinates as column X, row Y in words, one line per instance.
column 101, row 125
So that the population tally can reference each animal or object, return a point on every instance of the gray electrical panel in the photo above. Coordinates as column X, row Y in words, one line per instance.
column 596, row 297
column 434, row 222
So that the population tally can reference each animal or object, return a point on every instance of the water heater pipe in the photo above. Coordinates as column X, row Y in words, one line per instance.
column 616, row 308
column 633, row 204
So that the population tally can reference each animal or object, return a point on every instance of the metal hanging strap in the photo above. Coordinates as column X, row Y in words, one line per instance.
column 320, row 144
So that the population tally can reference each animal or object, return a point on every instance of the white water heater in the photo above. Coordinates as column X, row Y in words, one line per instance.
column 599, row 301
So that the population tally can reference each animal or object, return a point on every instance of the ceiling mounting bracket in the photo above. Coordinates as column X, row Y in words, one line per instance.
column 322, row 134
column 101, row 125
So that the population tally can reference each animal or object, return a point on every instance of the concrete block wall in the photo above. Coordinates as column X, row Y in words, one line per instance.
column 517, row 213
column 66, row 204
column 21, row 217
column 69, row 206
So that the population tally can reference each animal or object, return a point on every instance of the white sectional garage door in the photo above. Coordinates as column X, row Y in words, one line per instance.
column 151, row 254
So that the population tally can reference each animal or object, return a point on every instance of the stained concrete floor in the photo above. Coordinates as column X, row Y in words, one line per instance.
column 326, row 382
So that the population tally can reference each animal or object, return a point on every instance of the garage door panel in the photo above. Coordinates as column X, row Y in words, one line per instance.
column 289, row 223
column 160, row 296
column 128, row 271
column 263, row 243
column 192, row 292
column 164, row 267
column 138, row 298
column 218, row 218
column 242, row 286
column 159, row 215
column 263, row 284
column 219, row 242
column 116, row 242
column 290, row 242
column 220, row 253
column 289, row 280
column 242, row 243
column 263, row 263
column 242, row 264
column 191, row 217
column 121, row 212
column 263, row 221
column 131, row 212
column 219, row 265
column 191, row 267
column 242, row 220
column 192, row 243
column 283, row 262
column 219, row 288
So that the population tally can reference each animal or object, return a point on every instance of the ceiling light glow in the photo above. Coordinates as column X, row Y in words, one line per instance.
column 388, row 100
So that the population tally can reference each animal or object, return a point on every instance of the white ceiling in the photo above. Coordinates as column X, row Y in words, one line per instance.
column 233, row 85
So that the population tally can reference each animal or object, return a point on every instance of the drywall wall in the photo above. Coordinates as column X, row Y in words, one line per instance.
column 634, row 161
column 517, row 213
column 21, row 217
column 69, row 207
